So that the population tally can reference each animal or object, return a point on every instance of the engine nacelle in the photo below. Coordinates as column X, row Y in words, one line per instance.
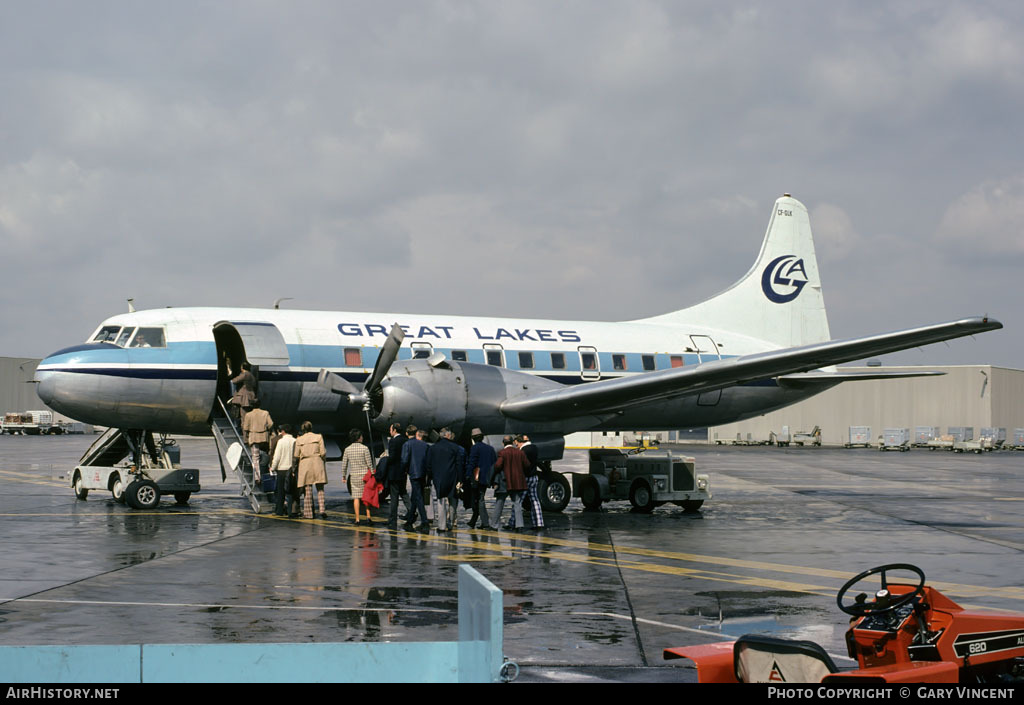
column 459, row 395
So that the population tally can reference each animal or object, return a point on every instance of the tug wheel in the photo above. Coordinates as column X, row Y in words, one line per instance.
column 79, row 486
column 117, row 489
column 590, row 494
column 641, row 497
column 863, row 609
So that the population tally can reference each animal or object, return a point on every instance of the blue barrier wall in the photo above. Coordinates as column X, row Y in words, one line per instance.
column 475, row 658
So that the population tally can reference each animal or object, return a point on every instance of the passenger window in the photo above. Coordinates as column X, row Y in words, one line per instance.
column 353, row 357
column 589, row 361
column 526, row 360
column 106, row 334
column 618, row 362
column 420, row 353
column 126, row 334
column 494, row 358
column 558, row 361
column 460, row 356
column 149, row 338
column 648, row 361
column 677, row 360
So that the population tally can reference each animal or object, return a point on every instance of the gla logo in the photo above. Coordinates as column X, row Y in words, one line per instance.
column 783, row 279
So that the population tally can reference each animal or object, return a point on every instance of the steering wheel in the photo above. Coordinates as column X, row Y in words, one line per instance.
column 863, row 609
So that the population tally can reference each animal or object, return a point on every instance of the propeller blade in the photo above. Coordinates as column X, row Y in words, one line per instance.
column 387, row 357
column 335, row 383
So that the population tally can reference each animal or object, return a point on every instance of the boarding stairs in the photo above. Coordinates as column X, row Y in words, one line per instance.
column 236, row 454
column 108, row 450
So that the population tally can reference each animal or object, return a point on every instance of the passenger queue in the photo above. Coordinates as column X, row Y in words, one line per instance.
column 413, row 472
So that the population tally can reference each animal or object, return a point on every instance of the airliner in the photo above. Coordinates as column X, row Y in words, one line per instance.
column 762, row 344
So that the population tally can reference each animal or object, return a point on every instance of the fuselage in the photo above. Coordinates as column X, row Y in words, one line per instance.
column 163, row 369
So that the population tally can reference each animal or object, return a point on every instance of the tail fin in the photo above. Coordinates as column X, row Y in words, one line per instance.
column 779, row 300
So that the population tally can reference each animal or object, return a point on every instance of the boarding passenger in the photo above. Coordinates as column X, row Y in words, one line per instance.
column 245, row 389
column 478, row 477
column 310, row 452
column 256, row 430
column 511, row 464
column 396, row 478
column 446, row 464
column 355, row 463
column 281, row 465
column 532, row 499
column 414, row 454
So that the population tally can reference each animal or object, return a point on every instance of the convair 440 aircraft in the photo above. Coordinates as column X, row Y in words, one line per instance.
column 762, row 344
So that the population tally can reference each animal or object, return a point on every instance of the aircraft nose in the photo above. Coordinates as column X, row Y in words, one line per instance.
column 66, row 383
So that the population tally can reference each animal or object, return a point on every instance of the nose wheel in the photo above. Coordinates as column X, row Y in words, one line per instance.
column 142, row 494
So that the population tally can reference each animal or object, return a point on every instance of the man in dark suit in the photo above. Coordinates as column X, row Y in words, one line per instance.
column 414, row 454
column 396, row 476
column 478, row 477
column 446, row 464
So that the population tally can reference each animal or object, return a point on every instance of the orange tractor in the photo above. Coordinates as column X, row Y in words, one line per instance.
column 907, row 632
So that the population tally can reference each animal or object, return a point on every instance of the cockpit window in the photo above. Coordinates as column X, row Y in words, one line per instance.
column 122, row 339
column 149, row 338
column 106, row 334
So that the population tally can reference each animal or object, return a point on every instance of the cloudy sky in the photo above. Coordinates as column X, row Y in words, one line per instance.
column 594, row 159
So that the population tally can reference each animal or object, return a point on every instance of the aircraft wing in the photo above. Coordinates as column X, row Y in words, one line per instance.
column 615, row 394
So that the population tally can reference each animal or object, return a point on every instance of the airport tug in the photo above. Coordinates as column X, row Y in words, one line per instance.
column 908, row 633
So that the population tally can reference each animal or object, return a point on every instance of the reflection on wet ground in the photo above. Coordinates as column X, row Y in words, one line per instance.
column 606, row 590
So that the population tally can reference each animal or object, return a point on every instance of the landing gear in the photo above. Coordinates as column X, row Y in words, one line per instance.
column 554, row 491
column 143, row 494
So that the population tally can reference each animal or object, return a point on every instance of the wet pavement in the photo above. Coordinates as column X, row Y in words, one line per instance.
column 594, row 597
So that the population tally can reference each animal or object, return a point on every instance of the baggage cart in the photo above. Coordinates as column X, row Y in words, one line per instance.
column 895, row 439
column 859, row 436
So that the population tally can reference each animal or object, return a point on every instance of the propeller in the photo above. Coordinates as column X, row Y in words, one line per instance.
column 388, row 354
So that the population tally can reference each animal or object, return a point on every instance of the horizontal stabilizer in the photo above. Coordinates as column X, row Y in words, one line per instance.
column 615, row 394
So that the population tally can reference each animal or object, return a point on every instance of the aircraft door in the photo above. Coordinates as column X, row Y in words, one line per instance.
column 257, row 343
column 707, row 351
column 590, row 363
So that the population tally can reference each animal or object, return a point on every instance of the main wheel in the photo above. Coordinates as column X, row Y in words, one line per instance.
column 590, row 494
column 79, row 486
column 143, row 494
column 641, row 497
column 554, row 492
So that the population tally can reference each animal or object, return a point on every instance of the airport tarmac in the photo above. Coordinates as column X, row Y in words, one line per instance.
column 594, row 597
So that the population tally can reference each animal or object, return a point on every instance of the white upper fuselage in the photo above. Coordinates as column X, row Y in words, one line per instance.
column 118, row 383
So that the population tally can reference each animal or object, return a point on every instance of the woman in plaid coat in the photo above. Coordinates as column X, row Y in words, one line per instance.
column 355, row 463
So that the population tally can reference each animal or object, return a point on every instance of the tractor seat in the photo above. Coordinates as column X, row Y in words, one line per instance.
column 765, row 659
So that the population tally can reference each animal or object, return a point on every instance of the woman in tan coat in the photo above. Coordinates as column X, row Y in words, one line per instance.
column 310, row 452
column 355, row 463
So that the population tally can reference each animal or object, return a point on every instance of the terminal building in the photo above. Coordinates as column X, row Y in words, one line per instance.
column 17, row 392
column 974, row 396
